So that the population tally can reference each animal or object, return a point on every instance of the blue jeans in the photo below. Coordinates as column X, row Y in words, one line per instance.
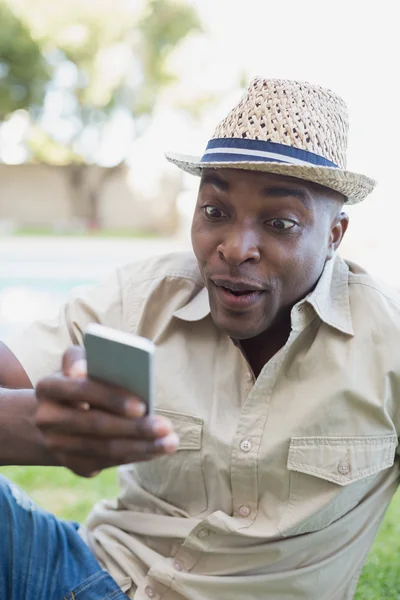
column 42, row 557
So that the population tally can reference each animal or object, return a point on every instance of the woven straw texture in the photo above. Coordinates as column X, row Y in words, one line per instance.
column 289, row 112
column 297, row 114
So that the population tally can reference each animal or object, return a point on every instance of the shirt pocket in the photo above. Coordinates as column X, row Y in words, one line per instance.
column 329, row 476
column 178, row 478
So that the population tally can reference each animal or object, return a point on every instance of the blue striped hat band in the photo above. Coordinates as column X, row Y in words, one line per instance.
column 246, row 150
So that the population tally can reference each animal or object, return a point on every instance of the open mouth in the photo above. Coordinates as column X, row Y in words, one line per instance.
column 237, row 299
column 241, row 292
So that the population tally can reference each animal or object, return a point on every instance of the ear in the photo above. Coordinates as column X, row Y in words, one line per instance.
column 338, row 229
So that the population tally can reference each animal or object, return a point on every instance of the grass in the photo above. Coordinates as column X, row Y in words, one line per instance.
column 71, row 497
column 62, row 492
column 380, row 578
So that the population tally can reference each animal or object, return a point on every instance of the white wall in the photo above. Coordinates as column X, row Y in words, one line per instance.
column 42, row 195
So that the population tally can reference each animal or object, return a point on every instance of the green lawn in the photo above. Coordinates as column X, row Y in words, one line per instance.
column 61, row 492
column 72, row 497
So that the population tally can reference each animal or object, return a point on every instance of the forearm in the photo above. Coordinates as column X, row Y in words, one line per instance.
column 21, row 442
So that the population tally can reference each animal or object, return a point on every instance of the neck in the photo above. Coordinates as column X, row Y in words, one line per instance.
column 260, row 349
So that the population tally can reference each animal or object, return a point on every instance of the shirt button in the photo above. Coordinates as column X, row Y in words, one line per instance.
column 244, row 510
column 249, row 376
column 343, row 468
column 203, row 533
column 150, row 592
column 178, row 565
column 245, row 445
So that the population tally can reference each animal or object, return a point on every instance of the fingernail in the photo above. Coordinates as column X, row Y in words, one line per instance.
column 161, row 426
column 170, row 443
column 134, row 408
column 78, row 369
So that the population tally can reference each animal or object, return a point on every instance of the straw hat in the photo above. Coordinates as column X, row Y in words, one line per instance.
column 286, row 127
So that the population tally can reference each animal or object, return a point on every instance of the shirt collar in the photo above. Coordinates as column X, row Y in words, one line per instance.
column 196, row 309
column 330, row 299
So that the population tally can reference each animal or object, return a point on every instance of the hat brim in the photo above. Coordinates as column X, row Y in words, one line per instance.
column 354, row 186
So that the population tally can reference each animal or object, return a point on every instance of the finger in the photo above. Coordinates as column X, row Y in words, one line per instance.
column 81, row 466
column 111, row 451
column 74, row 365
column 88, row 467
column 74, row 362
column 78, row 392
column 96, row 423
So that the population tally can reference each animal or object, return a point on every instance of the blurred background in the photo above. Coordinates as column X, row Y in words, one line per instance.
column 93, row 92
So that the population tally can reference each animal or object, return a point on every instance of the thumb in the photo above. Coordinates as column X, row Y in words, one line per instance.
column 74, row 362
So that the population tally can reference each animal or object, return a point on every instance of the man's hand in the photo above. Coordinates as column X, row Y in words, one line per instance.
column 90, row 426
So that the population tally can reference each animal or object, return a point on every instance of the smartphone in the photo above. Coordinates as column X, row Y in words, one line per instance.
column 121, row 359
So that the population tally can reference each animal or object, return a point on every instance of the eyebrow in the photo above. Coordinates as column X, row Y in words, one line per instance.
column 281, row 192
column 215, row 180
column 278, row 192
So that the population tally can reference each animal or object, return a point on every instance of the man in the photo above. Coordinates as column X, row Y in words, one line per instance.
column 272, row 458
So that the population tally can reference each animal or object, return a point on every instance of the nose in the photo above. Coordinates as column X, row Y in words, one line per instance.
column 239, row 246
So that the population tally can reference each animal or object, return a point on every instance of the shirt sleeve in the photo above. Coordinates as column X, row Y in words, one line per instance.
column 40, row 347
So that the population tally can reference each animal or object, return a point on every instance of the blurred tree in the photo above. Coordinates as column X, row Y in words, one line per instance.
column 24, row 72
column 110, row 61
column 110, row 65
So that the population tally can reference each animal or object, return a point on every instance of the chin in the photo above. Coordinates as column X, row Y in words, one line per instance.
column 236, row 327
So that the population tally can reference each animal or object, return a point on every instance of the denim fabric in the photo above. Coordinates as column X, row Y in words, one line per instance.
column 44, row 558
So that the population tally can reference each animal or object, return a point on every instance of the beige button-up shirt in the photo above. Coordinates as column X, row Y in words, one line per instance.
column 280, row 484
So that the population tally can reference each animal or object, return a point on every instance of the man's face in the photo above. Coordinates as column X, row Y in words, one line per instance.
column 261, row 241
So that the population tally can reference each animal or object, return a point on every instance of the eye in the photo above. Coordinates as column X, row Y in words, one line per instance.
column 281, row 224
column 214, row 213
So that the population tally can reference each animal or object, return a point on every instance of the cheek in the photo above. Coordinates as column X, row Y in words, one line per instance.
column 203, row 241
column 294, row 257
column 303, row 267
column 306, row 267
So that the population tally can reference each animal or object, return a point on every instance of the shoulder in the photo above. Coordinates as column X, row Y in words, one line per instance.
column 176, row 265
column 372, row 300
